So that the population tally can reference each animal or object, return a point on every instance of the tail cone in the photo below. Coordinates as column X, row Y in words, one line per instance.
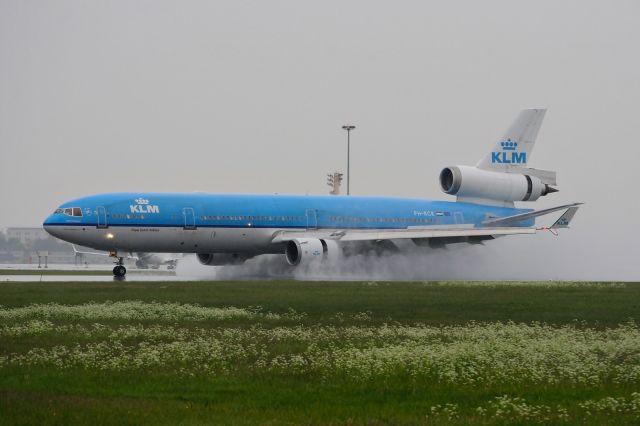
column 549, row 190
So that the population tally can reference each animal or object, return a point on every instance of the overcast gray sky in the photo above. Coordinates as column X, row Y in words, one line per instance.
column 249, row 96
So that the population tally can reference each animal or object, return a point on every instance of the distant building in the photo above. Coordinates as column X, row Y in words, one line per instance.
column 37, row 242
column 26, row 235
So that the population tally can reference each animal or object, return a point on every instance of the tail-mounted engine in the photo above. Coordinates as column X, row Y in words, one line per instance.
column 473, row 184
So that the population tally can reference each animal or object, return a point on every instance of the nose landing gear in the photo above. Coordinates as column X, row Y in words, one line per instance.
column 119, row 271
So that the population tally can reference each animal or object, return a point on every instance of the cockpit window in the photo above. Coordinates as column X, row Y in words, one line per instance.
column 70, row 211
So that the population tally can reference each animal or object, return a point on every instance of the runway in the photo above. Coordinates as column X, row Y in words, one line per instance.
column 90, row 278
column 93, row 273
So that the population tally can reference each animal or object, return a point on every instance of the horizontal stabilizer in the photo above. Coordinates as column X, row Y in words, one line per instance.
column 509, row 220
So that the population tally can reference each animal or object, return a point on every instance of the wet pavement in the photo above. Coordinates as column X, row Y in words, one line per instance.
column 56, row 273
column 90, row 278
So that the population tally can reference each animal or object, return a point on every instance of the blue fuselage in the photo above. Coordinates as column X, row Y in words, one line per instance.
column 270, row 211
column 197, row 222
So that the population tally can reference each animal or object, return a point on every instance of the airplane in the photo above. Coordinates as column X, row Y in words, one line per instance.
column 142, row 260
column 229, row 229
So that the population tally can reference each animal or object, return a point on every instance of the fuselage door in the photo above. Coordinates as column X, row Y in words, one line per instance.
column 189, row 218
column 459, row 218
column 312, row 219
column 102, row 217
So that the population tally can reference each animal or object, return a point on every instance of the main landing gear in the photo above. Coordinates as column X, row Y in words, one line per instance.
column 119, row 271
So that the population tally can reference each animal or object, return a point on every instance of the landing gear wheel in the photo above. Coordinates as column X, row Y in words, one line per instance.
column 119, row 271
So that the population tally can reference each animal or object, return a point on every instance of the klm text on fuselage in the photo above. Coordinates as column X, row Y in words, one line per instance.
column 137, row 208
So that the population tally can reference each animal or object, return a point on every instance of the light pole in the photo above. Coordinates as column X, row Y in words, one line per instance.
column 348, row 128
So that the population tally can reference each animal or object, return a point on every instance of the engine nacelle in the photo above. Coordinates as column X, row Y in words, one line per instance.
column 473, row 183
column 310, row 250
column 221, row 259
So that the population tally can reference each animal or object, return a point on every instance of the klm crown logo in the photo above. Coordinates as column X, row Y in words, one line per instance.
column 509, row 145
column 508, row 154
column 141, row 201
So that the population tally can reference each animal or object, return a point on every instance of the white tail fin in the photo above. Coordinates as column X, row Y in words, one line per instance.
column 513, row 150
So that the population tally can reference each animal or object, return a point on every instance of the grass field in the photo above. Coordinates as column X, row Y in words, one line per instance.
column 282, row 352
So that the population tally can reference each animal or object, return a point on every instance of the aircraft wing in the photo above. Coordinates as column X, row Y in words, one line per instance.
column 96, row 253
column 493, row 228
column 77, row 252
column 530, row 215
column 392, row 234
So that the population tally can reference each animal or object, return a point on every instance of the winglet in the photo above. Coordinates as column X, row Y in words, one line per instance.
column 563, row 221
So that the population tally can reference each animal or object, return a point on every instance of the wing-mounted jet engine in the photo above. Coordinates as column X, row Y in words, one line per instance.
column 304, row 251
column 222, row 259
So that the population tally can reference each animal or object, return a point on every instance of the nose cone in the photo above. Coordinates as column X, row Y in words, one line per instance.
column 49, row 227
